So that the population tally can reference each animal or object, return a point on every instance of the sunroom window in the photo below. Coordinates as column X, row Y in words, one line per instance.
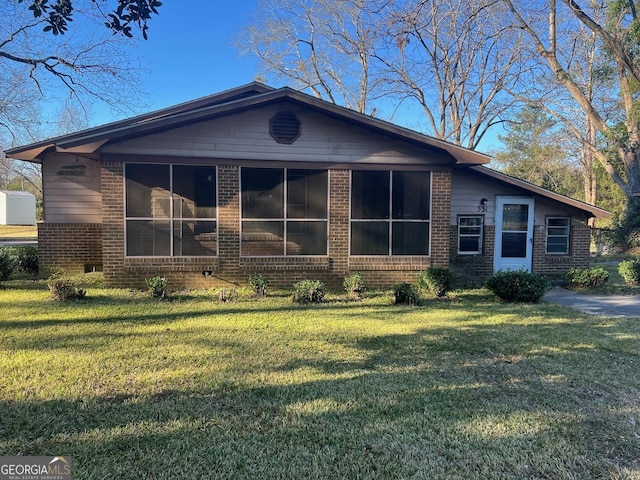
column 284, row 212
column 558, row 229
column 170, row 210
column 390, row 212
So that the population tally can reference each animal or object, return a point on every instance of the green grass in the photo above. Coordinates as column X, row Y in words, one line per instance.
column 616, row 284
column 131, row 387
column 11, row 231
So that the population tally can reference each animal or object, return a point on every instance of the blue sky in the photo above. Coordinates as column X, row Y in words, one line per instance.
column 189, row 53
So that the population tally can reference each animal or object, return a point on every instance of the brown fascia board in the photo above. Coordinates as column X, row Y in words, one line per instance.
column 543, row 192
column 97, row 134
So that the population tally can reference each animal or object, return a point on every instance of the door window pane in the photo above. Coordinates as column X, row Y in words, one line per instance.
column 369, row 194
column 262, row 193
column 148, row 192
column 410, row 238
column 306, row 238
column 515, row 217
column 514, row 245
column 370, row 238
column 307, row 193
column 411, row 194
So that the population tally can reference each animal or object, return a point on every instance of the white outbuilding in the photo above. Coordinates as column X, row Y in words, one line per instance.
column 17, row 208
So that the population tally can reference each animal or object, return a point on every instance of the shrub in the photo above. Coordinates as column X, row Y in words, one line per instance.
column 405, row 294
column 63, row 289
column 586, row 277
column 436, row 280
column 517, row 286
column 308, row 291
column 354, row 285
column 157, row 286
column 8, row 264
column 26, row 258
column 630, row 271
column 228, row 295
column 259, row 284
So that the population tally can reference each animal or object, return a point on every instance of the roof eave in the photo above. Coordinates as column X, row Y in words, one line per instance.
column 592, row 210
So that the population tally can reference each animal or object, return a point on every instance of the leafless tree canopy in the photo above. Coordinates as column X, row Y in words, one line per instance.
column 452, row 60
column 41, row 73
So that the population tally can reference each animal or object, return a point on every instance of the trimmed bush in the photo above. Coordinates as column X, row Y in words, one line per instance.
column 354, row 285
column 436, row 280
column 63, row 289
column 586, row 277
column 517, row 286
column 630, row 271
column 308, row 291
column 405, row 294
column 26, row 258
column 8, row 264
column 157, row 286
column 259, row 284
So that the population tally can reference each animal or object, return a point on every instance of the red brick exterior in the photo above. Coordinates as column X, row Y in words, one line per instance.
column 472, row 270
column 74, row 247
column 230, row 268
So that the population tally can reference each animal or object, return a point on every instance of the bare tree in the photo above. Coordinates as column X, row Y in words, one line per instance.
column 455, row 59
column 451, row 60
column 616, row 27
column 323, row 46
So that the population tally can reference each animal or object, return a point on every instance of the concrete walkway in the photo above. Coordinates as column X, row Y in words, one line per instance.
column 606, row 305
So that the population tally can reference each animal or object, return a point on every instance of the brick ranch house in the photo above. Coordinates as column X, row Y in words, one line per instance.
column 276, row 182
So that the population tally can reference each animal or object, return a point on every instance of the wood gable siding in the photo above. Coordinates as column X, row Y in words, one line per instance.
column 245, row 137
column 468, row 189
column 71, row 189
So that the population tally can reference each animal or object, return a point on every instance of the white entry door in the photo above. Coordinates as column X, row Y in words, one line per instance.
column 514, row 233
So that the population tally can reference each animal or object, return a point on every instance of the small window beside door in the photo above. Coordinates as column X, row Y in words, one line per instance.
column 470, row 229
column 558, row 229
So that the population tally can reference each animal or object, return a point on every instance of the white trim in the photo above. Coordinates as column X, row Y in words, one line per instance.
column 481, row 235
column 513, row 263
column 546, row 234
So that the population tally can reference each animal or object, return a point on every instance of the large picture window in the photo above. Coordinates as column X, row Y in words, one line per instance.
column 558, row 235
column 170, row 210
column 284, row 211
column 390, row 212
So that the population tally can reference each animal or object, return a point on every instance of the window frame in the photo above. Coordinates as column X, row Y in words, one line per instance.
column 567, row 235
column 390, row 221
column 171, row 218
column 285, row 220
column 479, row 235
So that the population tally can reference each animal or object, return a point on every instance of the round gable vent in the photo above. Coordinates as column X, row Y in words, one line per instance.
column 284, row 127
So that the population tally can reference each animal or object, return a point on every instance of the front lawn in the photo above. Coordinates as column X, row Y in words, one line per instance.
column 131, row 387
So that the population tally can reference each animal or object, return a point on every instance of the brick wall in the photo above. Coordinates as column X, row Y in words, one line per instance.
column 580, row 242
column 70, row 246
column 471, row 271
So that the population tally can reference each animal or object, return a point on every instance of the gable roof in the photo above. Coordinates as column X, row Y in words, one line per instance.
column 542, row 192
column 226, row 103
column 255, row 95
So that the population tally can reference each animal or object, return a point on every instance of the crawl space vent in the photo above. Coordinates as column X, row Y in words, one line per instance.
column 284, row 127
